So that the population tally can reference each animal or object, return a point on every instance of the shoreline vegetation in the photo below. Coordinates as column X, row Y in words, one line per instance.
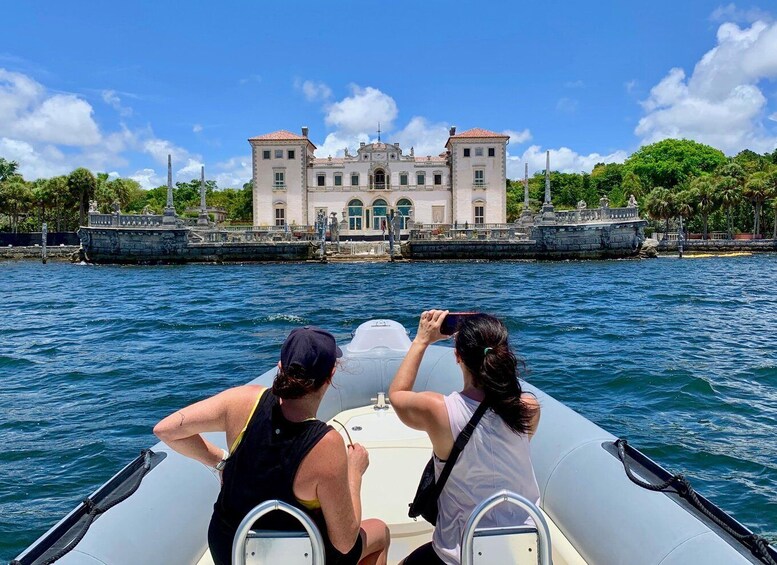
column 675, row 181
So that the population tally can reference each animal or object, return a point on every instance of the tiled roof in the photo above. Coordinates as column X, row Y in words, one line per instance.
column 279, row 135
column 478, row 132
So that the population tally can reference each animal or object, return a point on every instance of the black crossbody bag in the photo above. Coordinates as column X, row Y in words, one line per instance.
column 425, row 501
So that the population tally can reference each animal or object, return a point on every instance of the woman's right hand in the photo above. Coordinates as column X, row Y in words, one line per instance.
column 429, row 327
column 358, row 458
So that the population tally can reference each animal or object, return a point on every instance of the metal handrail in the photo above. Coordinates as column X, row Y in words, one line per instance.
column 468, row 535
column 238, row 544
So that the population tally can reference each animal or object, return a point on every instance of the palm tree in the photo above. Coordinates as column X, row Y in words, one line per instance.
column 7, row 169
column 706, row 198
column 757, row 191
column 685, row 204
column 729, row 193
column 660, row 205
column 82, row 186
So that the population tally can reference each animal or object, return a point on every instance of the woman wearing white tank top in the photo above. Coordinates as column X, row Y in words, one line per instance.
column 497, row 455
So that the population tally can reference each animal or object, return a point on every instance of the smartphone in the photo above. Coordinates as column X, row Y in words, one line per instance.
column 450, row 323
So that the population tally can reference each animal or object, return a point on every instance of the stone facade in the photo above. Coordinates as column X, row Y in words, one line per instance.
column 593, row 241
column 465, row 183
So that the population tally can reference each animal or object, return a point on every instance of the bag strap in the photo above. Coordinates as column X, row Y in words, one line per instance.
column 458, row 446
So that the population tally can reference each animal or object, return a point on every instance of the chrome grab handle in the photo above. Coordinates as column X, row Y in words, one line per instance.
column 468, row 535
column 238, row 544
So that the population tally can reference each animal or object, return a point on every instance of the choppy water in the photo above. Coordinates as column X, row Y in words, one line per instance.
column 677, row 356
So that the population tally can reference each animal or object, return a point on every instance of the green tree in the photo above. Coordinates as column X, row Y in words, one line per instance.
column 704, row 192
column 632, row 185
column 606, row 178
column 15, row 197
column 660, row 205
column 7, row 169
column 82, row 185
column 672, row 161
column 757, row 191
column 58, row 193
column 729, row 194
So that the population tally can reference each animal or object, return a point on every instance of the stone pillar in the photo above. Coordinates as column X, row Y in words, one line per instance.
column 203, row 220
column 169, row 214
column 548, row 215
column 526, row 217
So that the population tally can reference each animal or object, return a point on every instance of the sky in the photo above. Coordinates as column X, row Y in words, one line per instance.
column 116, row 87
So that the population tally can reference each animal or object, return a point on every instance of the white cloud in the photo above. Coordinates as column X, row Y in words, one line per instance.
column 47, row 161
column 335, row 143
column 313, row 91
column 773, row 117
column 630, row 85
column 197, row 128
column 233, row 173
column 29, row 113
column 720, row 103
column 574, row 84
column 250, row 79
column 191, row 170
column 730, row 13
column 111, row 98
column 147, row 178
column 362, row 111
column 518, row 137
column 423, row 137
column 562, row 159
column 566, row 105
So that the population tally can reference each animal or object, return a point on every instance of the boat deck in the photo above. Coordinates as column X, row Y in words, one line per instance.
column 398, row 455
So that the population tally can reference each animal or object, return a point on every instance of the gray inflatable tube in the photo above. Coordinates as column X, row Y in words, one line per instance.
column 583, row 487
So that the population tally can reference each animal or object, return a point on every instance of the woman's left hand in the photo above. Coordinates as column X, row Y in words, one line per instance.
column 429, row 327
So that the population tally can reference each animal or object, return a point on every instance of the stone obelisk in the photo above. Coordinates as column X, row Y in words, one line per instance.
column 203, row 219
column 169, row 214
column 548, row 215
column 526, row 217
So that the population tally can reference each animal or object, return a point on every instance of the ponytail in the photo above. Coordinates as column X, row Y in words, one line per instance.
column 292, row 382
column 482, row 345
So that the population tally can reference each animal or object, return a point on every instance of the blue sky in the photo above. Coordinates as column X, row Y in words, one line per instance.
column 117, row 86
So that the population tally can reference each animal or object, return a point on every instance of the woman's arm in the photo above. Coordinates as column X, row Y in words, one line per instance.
column 181, row 430
column 419, row 410
column 339, row 476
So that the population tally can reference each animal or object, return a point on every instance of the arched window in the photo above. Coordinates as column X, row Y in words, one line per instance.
column 380, row 179
column 379, row 211
column 280, row 214
column 355, row 213
column 479, row 212
column 403, row 209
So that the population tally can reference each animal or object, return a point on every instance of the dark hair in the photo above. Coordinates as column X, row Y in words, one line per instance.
column 293, row 382
column 481, row 342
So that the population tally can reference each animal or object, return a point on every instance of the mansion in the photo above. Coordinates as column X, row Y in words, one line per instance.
column 463, row 184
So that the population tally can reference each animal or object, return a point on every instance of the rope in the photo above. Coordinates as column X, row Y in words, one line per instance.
column 758, row 546
column 93, row 511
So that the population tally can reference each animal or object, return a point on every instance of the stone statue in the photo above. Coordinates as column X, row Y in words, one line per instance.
column 604, row 202
column 632, row 201
column 581, row 205
column 93, row 206
column 147, row 210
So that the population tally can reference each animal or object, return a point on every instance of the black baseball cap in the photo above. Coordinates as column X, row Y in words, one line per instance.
column 313, row 349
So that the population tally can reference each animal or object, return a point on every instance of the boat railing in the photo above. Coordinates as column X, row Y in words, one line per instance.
column 544, row 556
column 244, row 532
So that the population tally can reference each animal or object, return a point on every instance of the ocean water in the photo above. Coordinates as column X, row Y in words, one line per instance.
column 678, row 356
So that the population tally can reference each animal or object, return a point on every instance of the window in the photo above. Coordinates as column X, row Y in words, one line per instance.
column 403, row 179
column 466, row 151
column 480, row 213
column 379, row 211
column 478, row 151
column 338, row 179
column 438, row 214
column 393, row 156
column 437, row 179
column 279, row 153
column 321, row 180
column 266, row 154
column 355, row 179
column 290, row 154
column 379, row 179
column 280, row 179
column 403, row 209
column 420, row 179
column 280, row 215
column 491, row 152
column 355, row 212
column 480, row 177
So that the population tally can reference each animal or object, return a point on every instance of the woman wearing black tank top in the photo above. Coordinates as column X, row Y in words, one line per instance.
column 279, row 450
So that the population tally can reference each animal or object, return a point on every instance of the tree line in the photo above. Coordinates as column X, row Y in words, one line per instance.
column 63, row 201
column 671, row 179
